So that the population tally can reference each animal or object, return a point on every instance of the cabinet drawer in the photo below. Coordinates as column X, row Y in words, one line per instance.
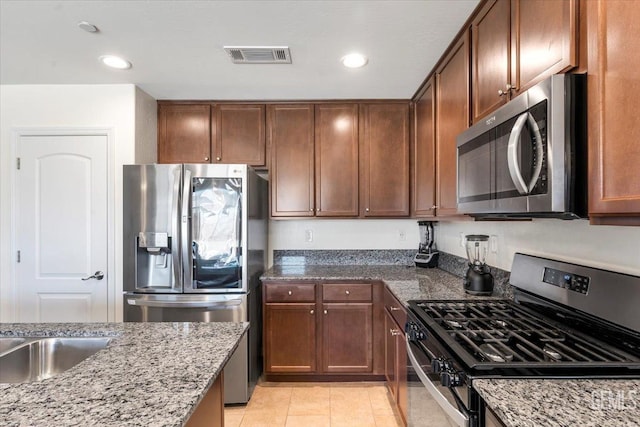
column 345, row 292
column 295, row 292
column 395, row 308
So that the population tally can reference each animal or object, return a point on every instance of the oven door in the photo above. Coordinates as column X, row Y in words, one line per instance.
column 429, row 402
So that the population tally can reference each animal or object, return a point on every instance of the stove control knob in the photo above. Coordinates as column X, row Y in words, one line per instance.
column 438, row 365
column 450, row 378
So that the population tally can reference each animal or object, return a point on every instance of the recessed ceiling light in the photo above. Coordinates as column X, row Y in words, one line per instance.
column 354, row 60
column 115, row 62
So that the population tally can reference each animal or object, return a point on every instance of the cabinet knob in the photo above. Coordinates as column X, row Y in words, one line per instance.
column 290, row 293
column 311, row 210
column 501, row 92
column 318, row 210
column 394, row 332
column 434, row 207
column 206, row 158
column 366, row 210
column 218, row 158
column 346, row 292
column 325, row 311
column 311, row 312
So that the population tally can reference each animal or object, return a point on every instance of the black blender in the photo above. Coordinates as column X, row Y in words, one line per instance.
column 478, row 280
column 427, row 256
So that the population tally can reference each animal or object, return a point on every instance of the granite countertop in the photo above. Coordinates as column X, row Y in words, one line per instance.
column 406, row 282
column 560, row 403
column 149, row 374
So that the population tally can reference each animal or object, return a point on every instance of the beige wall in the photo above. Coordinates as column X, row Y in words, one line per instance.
column 119, row 108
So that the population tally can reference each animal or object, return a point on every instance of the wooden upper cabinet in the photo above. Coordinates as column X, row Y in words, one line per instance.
column 424, row 152
column 452, row 117
column 544, row 40
column 384, row 160
column 336, row 160
column 490, row 70
column 291, row 131
column 184, row 133
column 614, row 130
column 239, row 134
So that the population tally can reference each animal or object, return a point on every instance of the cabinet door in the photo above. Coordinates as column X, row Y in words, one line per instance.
column 184, row 133
column 490, row 57
column 390, row 358
column 544, row 40
column 347, row 337
column 336, row 156
column 239, row 134
column 289, row 337
column 452, row 117
column 401, row 373
column 291, row 144
column 613, row 104
column 384, row 162
column 424, row 153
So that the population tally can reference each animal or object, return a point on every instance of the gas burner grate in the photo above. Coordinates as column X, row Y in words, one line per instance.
column 501, row 332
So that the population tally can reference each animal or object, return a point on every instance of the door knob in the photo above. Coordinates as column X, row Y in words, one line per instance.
column 98, row 275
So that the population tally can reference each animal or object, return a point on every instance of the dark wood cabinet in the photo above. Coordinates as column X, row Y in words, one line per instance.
column 336, row 160
column 395, row 352
column 211, row 133
column 424, row 152
column 490, row 57
column 290, row 130
column 239, row 131
column 516, row 44
column 315, row 329
column 614, row 130
column 544, row 40
column 384, row 160
column 452, row 117
column 184, row 133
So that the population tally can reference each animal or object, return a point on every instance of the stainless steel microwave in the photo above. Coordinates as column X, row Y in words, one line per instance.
column 528, row 158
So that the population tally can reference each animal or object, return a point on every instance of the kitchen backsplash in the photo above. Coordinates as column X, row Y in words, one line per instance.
column 450, row 263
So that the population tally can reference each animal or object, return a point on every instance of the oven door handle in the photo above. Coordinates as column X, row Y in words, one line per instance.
column 512, row 153
column 458, row 417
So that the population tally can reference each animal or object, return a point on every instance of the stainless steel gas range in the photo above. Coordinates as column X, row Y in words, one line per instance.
column 566, row 321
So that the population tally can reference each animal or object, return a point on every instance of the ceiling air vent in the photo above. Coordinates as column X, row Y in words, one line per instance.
column 259, row 54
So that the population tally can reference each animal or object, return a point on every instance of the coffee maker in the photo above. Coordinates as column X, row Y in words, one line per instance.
column 427, row 256
column 478, row 280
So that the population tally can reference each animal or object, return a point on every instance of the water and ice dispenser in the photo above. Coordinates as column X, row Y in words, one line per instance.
column 153, row 260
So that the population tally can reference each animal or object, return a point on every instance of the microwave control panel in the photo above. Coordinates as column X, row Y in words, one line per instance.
column 563, row 279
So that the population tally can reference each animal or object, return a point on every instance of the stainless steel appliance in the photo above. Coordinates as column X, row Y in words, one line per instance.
column 195, row 245
column 427, row 256
column 528, row 158
column 567, row 321
column 478, row 280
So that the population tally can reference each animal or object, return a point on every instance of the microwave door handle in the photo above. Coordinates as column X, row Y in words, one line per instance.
column 175, row 230
column 512, row 154
column 539, row 151
column 186, row 231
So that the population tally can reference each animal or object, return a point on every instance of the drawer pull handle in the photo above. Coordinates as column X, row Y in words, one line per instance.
column 290, row 293
column 346, row 292
column 394, row 308
column 394, row 332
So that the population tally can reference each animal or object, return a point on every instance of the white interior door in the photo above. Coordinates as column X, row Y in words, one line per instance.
column 61, row 235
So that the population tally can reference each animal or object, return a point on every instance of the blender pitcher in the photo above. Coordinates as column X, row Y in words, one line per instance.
column 478, row 280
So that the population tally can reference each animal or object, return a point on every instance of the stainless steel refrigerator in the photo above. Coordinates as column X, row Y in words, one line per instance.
column 195, row 245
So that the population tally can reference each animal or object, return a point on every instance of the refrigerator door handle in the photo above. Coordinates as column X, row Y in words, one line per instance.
column 186, row 251
column 211, row 305
column 175, row 231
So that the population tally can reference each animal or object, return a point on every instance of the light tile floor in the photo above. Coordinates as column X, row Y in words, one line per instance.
column 315, row 405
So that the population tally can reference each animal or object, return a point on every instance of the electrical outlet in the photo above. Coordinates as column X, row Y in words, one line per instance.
column 462, row 239
column 493, row 243
column 402, row 235
column 308, row 236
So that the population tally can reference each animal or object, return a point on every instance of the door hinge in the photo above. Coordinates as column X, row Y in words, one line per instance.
column 18, row 163
column 18, row 257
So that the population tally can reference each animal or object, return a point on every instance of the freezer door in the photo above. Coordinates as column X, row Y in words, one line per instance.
column 213, row 224
column 151, row 228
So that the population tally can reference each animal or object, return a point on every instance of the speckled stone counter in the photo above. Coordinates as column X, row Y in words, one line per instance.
column 405, row 282
column 150, row 374
column 560, row 403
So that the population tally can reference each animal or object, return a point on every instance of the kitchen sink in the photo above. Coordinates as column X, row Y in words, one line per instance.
column 36, row 359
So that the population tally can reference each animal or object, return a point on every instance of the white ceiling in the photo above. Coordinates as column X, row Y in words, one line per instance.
column 176, row 46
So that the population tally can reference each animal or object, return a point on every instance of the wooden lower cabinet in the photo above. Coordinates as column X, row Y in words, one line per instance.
column 395, row 355
column 290, row 337
column 316, row 331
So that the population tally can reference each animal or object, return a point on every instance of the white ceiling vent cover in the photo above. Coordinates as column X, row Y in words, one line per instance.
column 259, row 54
